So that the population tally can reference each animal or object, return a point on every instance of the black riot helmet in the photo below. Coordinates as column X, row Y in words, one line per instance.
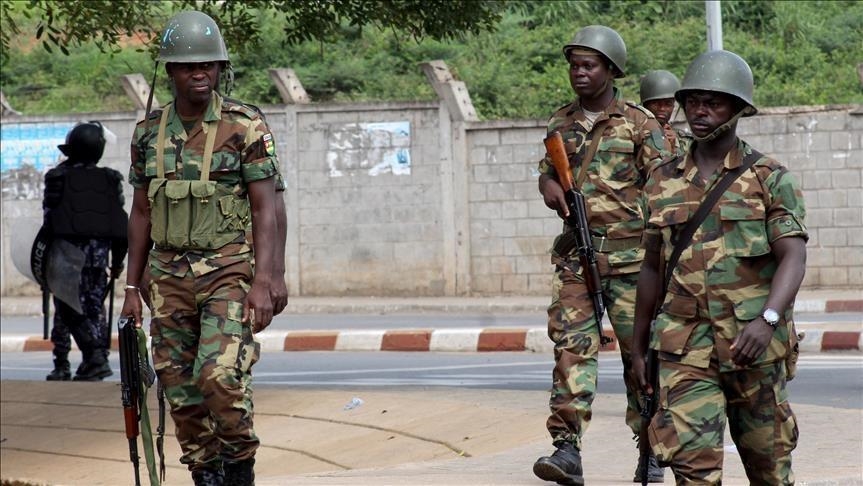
column 85, row 142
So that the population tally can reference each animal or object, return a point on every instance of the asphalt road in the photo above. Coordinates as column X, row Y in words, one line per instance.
column 828, row 379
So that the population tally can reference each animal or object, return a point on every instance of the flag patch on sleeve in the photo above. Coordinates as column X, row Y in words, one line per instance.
column 269, row 144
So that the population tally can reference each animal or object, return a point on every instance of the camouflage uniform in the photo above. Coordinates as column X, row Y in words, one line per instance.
column 202, row 351
column 630, row 143
column 722, row 282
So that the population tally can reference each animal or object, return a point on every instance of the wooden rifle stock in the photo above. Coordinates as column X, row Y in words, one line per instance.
column 578, row 220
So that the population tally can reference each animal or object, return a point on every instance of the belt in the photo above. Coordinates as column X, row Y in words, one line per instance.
column 602, row 244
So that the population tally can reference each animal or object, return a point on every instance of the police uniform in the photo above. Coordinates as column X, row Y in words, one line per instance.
column 631, row 142
column 200, row 270
column 83, row 205
column 722, row 282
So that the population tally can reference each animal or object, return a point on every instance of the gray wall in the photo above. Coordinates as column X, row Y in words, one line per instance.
column 467, row 219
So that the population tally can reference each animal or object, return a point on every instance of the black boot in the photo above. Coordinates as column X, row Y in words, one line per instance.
column 241, row 473
column 562, row 467
column 208, row 477
column 95, row 370
column 61, row 371
column 655, row 474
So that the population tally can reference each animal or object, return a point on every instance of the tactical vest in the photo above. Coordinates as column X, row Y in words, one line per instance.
column 193, row 215
column 90, row 205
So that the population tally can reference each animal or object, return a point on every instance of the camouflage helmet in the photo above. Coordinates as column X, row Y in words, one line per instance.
column 604, row 40
column 192, row 36
column 85, row 142
column 658, row 85
column 720, row 71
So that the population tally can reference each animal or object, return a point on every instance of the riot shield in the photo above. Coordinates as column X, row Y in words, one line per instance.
column 63, row 275
column 21, row 245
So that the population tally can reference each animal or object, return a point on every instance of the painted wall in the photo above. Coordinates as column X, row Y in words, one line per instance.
column 402, row 199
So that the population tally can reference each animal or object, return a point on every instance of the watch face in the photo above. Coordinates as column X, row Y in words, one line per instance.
column 771, row 316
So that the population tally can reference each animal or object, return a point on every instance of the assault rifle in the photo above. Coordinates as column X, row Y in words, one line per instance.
column 648, row 408
column 580, row 238
column 136, row 376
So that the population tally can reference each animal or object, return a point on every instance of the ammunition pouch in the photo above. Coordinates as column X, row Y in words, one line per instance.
column 195, row 215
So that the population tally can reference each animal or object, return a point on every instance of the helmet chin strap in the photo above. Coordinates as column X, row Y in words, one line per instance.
column 724, row 127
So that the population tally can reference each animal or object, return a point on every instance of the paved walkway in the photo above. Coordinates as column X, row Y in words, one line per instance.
column 70, row 433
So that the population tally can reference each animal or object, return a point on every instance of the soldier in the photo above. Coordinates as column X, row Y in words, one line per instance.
column 626, row 140
column 83, row 206
column 657, row 95
column 204, row 170
column 725, row 324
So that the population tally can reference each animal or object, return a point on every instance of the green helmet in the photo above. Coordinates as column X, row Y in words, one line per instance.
column 192, row 36
column 658, row 85
column 604, row 40
column 720, row 71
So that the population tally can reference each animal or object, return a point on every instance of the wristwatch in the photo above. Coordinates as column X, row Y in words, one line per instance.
column 771, row 317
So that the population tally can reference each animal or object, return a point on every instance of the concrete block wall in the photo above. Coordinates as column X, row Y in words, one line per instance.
column 467, row 219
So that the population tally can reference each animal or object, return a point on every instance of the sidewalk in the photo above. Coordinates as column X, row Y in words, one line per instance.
column 843, row 333
column 71, row 434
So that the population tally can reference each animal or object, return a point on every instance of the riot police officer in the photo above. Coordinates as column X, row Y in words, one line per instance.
column 83, row 206
column 207, row 165
column 611, row 144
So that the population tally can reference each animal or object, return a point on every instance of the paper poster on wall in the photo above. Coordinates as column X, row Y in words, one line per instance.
column 375, row 148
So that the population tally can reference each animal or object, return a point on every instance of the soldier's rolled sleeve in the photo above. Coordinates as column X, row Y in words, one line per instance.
column 137, row 177
column 787, row 212
column 259, row 158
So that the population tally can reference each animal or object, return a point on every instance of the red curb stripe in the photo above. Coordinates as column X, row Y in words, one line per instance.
column 844, row 306
column 835, row 340
column 36, row 344
column 413, row 340
column 310, row 341
column 501, row 340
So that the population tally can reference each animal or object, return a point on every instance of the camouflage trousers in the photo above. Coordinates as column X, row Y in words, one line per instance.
column 203, row 355
column 688, row 428
column 89, row 329
column 572, row 327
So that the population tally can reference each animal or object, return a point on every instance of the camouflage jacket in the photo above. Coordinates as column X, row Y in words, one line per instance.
column 630, row 143
column 244, row 152
column 723, row 277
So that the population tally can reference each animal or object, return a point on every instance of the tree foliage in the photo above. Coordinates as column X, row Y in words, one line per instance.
column 802, row 52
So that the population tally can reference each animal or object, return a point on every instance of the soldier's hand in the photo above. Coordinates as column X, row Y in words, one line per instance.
column 552, row 196
column 751, row 342
column 132, row 306
column 258, row 308
column 639, row 373
column 278, row 295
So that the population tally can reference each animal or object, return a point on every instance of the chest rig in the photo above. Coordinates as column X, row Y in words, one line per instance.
column 193, row 214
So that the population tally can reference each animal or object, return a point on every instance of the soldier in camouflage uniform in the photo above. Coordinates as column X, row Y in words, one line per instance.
column 657, row 95
column 725, row 324
column 74, row 184
column 204, row 171
column 629, row 141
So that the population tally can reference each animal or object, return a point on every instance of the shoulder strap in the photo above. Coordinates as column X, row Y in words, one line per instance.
column 591, row 151
column 685, row 236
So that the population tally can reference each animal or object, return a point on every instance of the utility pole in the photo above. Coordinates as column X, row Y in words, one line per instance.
column 714, row 25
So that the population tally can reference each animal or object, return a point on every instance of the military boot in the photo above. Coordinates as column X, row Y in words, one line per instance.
column 95, row 370
column 241, row 473
column 562, row 467
column 208, row 477
column 655, row 474
column 61, row 371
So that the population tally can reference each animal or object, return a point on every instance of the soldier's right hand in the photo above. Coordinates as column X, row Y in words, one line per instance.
column 639, row 373
column 552, row 196
column 132, row 305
